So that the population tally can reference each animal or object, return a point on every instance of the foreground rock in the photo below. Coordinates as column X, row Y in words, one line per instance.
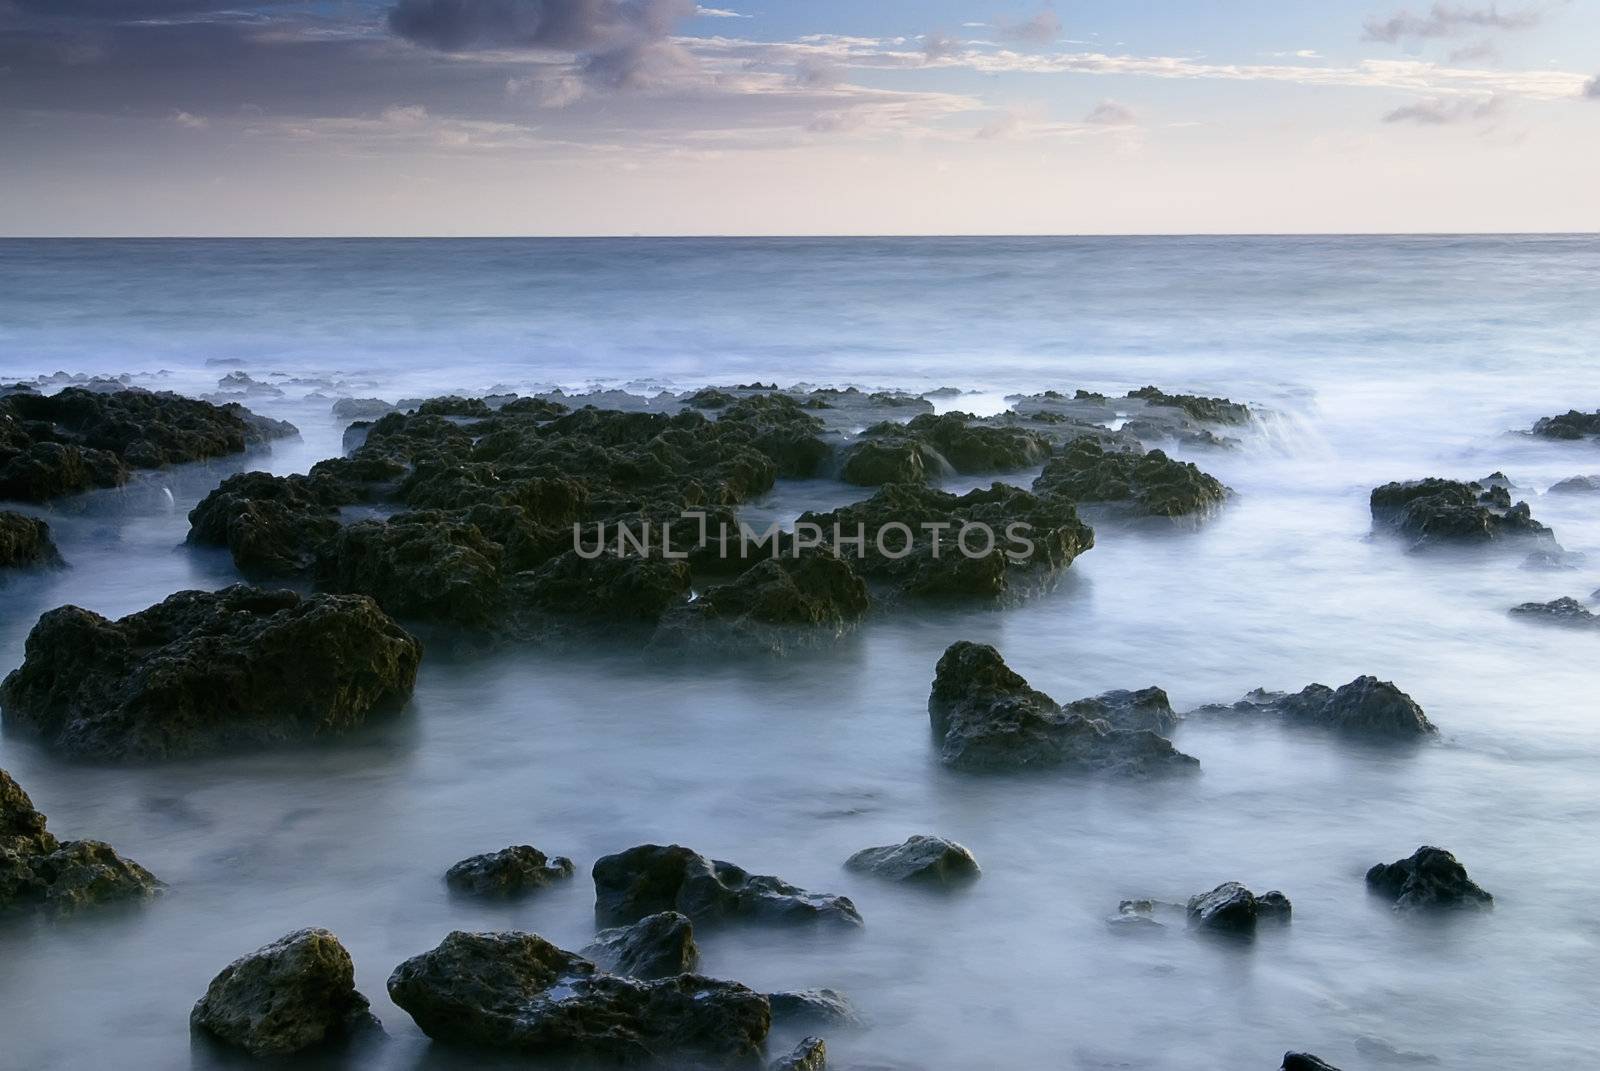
column 810, row 1055
column 39, row 872
column 205, row 671
column 1429, row 879
column 657, row 946
column 653, row 878
column 517, row 991
column 1232, row 908
column 1304, row 1061
column 295, row 994
column 1436, row 512
column 985, row 717
column 25, row 543
column 514, row 871
column 1565, row 611
column 1364, row 707
column 922, row 859
column 1132, row 485
column 77, row 439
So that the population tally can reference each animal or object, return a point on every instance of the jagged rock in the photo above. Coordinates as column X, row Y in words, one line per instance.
column 1147, row 708
column 811, row 1054
column 294, row 994
column 609, row 587
column 1429, row 879
column 1304, row 1061
column 652, row 878
column 202, row 671
column 1570, row 425
column 925, row 859
column 242, row 383
column 1211, row 410
column 517, row 991
column 427, row 565
column 1565, row 611
column 710, row 398
column 38, row 871
column 1232, row 908
column 1138, row 485
column 1366, row 707
column 657, row 946
column 985, row 717
column 772, row 604
column 1435, row 512
column 930, row 445
column 813, row 1008
column 513, row 871
column 875, row 462
column 25, row 543
column 273, row 525
column 1577, row 485
column 779, row 427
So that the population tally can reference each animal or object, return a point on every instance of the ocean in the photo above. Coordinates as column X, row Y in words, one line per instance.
column 1372, row 358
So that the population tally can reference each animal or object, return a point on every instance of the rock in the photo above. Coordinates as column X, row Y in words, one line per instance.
column 985, row 717
column 1211, row 410
column 1379, row 1051
column 772, row 604
column 272, row 525
column 517, row 991
column 1364, row 707
column 1434, row 512
column 39, row 872
column 1147, row 708
column 930, row 445
column 810, row 1055
column 1565, row 611
column 1576, row 485
column 25, row 543
column 422, row 565
column 1232, row 908
column 657, row 946
column 241, row 382
column 513, row 871
column 1135, row 916
column 930, row 860
column 203, row 671
column 875, row 462
column 608, row 588
column 1570, row 425
column 1429, row 879
column 297, row 993
column 1304, row 1061
column 1551, row 559
column 1137, row 485
column 813, row 1008
column 361, row 408
column 652, row 878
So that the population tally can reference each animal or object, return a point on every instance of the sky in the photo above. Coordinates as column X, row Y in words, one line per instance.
column 565, row 117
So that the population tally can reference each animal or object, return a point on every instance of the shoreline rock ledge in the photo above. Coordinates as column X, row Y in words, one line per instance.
column 986, row 717
column 207, row 670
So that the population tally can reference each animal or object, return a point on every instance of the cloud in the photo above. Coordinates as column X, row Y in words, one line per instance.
column 1434, row 111
column 588, row 26
column 189, row 121
column 718, row 13
column 1111, row 113
column 1447, row 20
column 816, row 72
column 936, row 45
column 1483, row 50
column 1591, row 88
column 1042, row 29
column 126, row 10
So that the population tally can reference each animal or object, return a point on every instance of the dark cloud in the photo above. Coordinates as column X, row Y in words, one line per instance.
column 1042, row 29
column 1433, row 111
column 587, row 26
column 937, row 45
column 129, row 10
column 1448, row 20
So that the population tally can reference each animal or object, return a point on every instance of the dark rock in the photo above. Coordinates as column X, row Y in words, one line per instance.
column 1232, row 908
column 710, row 398
column 610, row 587
column 455, row 406
column 657, row 946
column 1211, row 410
column 242, row 383
column 272, row 525
column 513, row 871
column 1565, row 611
column 203, row 671
column 1147, row 708
column 770, row 605
column 1139, row 485
column 517, row 991
column 25, row 543
column 361, row 408
column 652, row 878
column 425, row 565
column 1570, row 425
column 1304, row 1061
column 1577, row 485
column 811, row 1054
column 875, row 462
column 297, row 993
column 807, row 1008
column 38, row 871
column 1365, row 707
column 1429, row 879
column 1435, row 512
column 985, row 717
column 930, row 445
column 931, row 860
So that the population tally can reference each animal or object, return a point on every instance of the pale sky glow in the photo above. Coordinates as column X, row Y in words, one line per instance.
column 664, row 117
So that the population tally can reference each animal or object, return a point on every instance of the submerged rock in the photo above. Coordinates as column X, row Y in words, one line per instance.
column 985, row 717
column 25, row 543
column 297, row 993
column 513, row 871
column 813, row 1008
column 518, row 991
column 1138, row 916
column 1137, row 485
column 39, row 872
column 1565, row 611
column 1364, row 707
column 1232, row 908
column 1304, row 1061
column 1427, row 880
column 924, row 859
column 811, row 1054
column 657, row 946
column 1434, row 512
column 203, row 671
column 652, row 878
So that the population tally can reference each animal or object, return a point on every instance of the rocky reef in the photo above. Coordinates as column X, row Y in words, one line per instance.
column 1438, row 512
column 39, row 872
column 1129, row 483
column 986, row 717
column 25, row 543
column 1364, row 707
column 206, row 671
column 1429, row 879
column 652, row 878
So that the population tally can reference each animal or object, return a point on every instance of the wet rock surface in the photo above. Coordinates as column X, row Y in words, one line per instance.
column 652, row 878
column 80, row 439
column 1232, row 908
column 1430, row 879
column 773, row 604
column 1304, row 1061
column 25, row 543
column 814, row 1008
column 509, row 872
column 986, row 717
column 1134, row 484
column 519, row 992
column 921, row 859
column 1364, row 707
column 205, row 671
column 657, row 946
column 1145, row 708
column 38, row 872
column 294, row 994
column 1565, row 611
column 1569, row 426
column 1437, row 512
column 811, row 1054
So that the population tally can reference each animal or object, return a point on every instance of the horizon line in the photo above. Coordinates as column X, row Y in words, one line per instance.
column 790, row 235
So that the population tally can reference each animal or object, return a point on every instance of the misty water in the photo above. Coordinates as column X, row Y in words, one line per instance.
column 1374, row 359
